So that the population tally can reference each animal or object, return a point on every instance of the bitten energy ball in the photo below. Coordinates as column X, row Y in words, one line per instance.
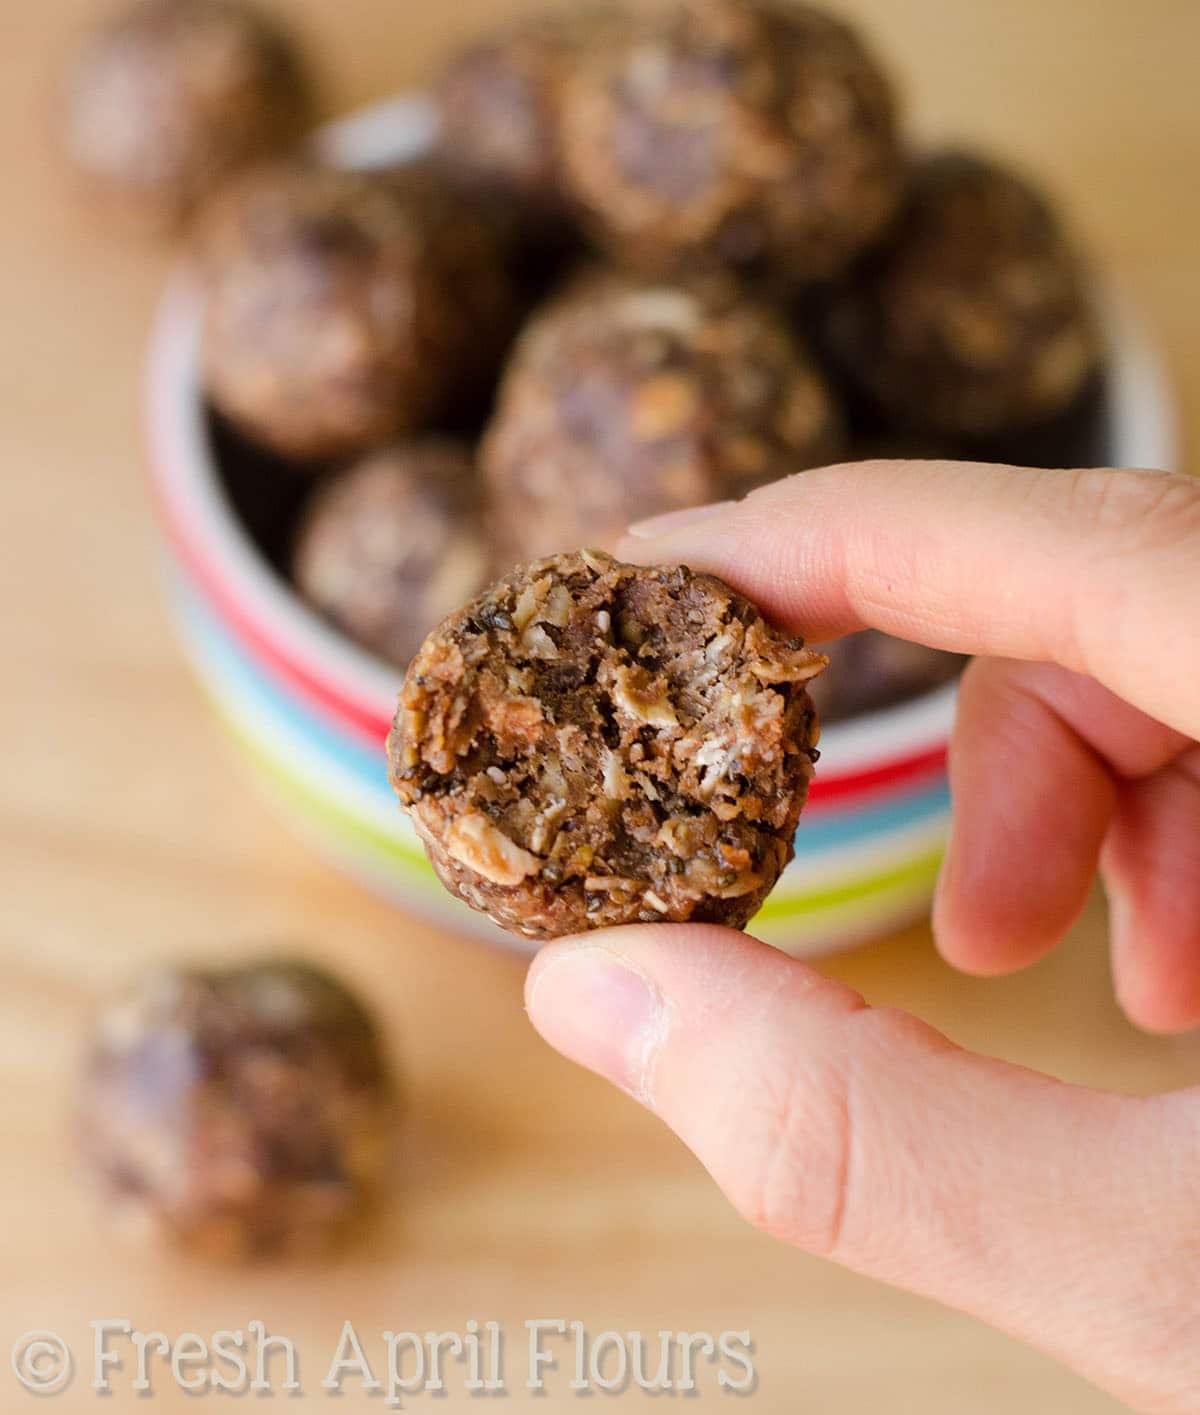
column 591, row 743
column 624, row 400
column 391, row 546
column 171, row 96
column 347, row 309
column 871, row 670
column 498, row 102
column 972, row 320
column 748, row 132
column 241, row 1113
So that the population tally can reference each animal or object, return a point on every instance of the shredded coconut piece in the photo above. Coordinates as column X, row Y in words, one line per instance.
column 474, row 841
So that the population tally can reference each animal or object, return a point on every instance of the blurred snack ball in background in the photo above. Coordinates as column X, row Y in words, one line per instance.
column 870, row 670
column 972, row 319
column 499, row 101
column 755, row 134
column 625, row 399
column 346, row 309
column 240, row 1113
column 392, row 545
column 169, row 97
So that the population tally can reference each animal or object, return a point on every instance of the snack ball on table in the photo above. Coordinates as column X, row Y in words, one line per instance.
column 389, row 547
column 751, row 133
column 623, row 400
column 345, row 310
column 238, row 1113
column 972, row 320
column 171, row 96
column 590, row 743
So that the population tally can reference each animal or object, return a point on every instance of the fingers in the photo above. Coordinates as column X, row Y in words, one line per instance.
column 1052, row 775
column 1035, row 769
column 1152, row 871
column 1066, row 566
column 865, row 1136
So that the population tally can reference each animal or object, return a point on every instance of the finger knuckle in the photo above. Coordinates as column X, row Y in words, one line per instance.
column 804, row 1165
column 1122, row 521
column 1134, row 510
column 790, row 1181
column 796, row 1144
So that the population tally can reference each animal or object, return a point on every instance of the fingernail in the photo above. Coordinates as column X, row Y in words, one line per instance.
column 593, row 1007
column 670, row 521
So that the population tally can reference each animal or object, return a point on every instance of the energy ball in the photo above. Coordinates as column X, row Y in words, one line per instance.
column 171, row 96
column 751, row 133
column 624, row 400
column 591, row 743
column 345, row 310
column 871, row 670
column 498, row 102
column 393, row 545
column 972, row 321
column 238, row 1113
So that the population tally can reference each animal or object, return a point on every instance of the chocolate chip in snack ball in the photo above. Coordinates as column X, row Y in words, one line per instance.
column 169, row 97
column 344, row 310
column 590, row 743
column 391, row 546
column 752, row 133
column 624, row 399
column 972, row 320
column 240, row 1113
column 871, row 670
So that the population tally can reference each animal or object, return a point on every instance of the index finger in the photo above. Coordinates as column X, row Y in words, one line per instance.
column 1097, row 570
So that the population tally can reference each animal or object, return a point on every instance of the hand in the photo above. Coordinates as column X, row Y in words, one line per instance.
column 1066, row 1216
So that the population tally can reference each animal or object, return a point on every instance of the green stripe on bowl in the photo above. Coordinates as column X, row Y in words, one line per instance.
column 918, row 873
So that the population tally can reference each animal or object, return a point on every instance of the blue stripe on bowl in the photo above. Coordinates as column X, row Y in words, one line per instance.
column 832, row 830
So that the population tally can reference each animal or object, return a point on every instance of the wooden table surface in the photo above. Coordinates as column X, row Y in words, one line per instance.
column 528, row 1188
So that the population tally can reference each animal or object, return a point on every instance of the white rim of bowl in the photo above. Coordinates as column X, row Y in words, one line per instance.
column 1141, row 410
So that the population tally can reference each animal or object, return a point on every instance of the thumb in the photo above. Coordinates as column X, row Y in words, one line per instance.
column 1057, row 1213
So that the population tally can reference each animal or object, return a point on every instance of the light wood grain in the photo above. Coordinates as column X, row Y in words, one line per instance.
column 128, row 834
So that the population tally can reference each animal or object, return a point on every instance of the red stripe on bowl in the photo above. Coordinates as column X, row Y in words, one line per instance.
column 341, row 711
column 825, row 790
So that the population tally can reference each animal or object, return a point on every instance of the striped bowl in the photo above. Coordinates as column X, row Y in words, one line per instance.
column 311, row 710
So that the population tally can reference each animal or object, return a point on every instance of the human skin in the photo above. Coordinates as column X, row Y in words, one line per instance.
column 1066, row 1216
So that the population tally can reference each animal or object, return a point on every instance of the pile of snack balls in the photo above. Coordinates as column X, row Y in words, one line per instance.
column 651, row 260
